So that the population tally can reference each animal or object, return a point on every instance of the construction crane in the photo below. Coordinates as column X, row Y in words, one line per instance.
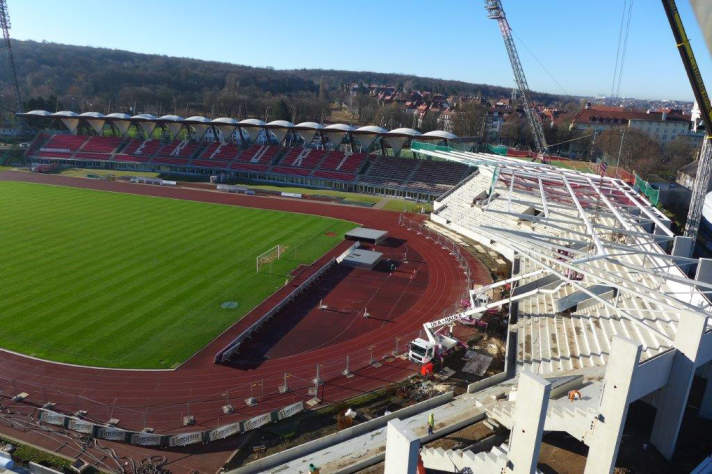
column 5, row 25
column 495, row 12
column 704, row 160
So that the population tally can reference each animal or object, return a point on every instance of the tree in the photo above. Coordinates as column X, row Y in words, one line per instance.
column 638, row 151
column 429, row 122
column 677, row 153
column 469, row 119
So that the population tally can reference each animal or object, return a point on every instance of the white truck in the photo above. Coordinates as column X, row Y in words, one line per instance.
column 437, row 344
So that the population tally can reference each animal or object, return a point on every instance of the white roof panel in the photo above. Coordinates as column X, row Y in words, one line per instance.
column 280, row 124
column 342, row 127
column 251, row 122
column 372, row 129
column 309, row 125
column 96, row 115
column 440, row 134
column 404, row 132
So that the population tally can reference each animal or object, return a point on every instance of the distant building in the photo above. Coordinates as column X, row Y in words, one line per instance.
column 662, row 126
column 10, row 132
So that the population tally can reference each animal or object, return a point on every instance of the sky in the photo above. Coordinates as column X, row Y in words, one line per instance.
column 566, row 46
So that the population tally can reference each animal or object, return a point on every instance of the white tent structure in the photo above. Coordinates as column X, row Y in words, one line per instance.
column 69, row 119
column 366, row 135
column 307, row 130
column 173, row 123
column 95, row 119
column 336, row 132
column 147, row 122
column 122, row 122
column 226, row 126
column 198, row 124
column 398, row 137
column 251, row 128
column 279, row 128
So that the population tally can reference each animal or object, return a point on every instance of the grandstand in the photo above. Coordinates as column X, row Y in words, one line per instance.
column 335, row 156
column 601, row 290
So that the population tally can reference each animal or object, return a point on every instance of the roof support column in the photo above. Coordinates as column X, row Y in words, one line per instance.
column 529, row 417
column 402, row 449
column 672, row 398
column 682, row 246
column 704, row 274
column 608, row 428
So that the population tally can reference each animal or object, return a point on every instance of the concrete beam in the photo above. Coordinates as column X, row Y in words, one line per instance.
column 661, row 234
column 608, row 428
column 402, row 449
column 672, row 398
column 529, row 417
column 682, row 246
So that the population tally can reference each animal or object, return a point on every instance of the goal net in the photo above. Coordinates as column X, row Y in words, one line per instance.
column 269, row 256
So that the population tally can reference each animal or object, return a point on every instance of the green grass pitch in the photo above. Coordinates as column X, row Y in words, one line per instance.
column 119, row 280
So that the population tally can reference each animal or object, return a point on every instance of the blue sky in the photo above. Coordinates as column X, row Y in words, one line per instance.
column 575, row 40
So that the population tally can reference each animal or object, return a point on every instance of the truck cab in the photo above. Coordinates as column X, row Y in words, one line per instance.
column 421, row 351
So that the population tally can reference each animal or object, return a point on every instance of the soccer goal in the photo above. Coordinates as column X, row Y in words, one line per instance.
column 269, row 256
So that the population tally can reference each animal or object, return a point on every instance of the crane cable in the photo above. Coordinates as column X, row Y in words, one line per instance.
column 623, row 33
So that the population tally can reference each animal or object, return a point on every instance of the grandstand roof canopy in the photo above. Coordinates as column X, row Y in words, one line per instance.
column 37, row 113
column 251, row 122
column 171, row 118
column 342, row 127
column 280, row 124
column 441, row 134
column 65, row 113
column 118, row 116
column 225, row 121
column 407, row 132
column 374, row 129
column 145, row 118
column 309, row 126
column 397, row 135
column 96, row 115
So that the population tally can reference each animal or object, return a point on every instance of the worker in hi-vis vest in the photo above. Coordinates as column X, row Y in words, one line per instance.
column 431, row 423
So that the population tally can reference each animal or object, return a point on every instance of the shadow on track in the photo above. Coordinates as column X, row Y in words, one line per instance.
column 253, row 352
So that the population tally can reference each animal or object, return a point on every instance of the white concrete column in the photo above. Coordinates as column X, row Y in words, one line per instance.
column 682, row 246
column 529, row 416
column 608, row 429
column 704, row 270
column 402, row 449
column 706, row 404
column 672, row 398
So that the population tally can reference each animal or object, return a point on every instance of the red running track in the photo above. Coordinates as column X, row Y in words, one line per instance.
column 160, row 399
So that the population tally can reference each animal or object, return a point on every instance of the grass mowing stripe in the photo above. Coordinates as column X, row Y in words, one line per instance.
column 135, row 281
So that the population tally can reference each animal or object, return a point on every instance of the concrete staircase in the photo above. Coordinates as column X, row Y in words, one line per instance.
column 577, row 418
column 457, row 460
